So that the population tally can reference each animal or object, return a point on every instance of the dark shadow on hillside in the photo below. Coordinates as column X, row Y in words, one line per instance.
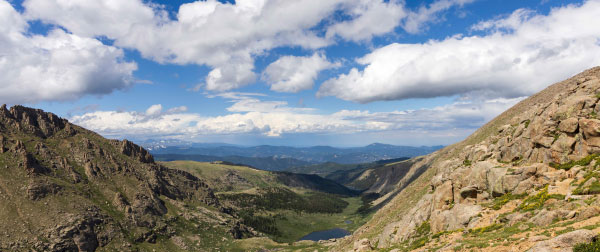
column 418, row 172
column 314, row 182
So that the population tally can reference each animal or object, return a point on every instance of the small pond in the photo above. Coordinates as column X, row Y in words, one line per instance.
column 326, row 234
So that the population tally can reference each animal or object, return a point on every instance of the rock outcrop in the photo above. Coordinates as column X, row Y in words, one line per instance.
column 65, row 188
column 532, row 166
column 564, row 242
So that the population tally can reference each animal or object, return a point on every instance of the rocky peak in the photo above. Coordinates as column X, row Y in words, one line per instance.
column 44, row 124
column 133, row 150
column 31, row 121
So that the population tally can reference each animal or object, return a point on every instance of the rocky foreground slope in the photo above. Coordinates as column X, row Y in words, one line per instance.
column 528, row 180
column 64, row 188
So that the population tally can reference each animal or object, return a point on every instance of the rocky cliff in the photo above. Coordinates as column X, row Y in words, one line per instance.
column 64, row 188
column 526, row 180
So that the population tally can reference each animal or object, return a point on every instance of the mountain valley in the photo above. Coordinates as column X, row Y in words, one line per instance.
column 527, row 180
column 299, row 126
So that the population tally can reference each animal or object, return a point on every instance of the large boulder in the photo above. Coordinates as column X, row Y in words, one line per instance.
column 564, row 144
column 516, row 217
column 524, row 186
column 479, row 153
column 564, row 242
column 443, row 195
column 455, row 218
column 362, row 245
column 468, row 192
column 526, row 171
column 544, row 218
column 590, row 127
column 476, row 175
column 494, row 179
column 589, row 212
column 510, row 182
column 545, row 141
column 569, row 125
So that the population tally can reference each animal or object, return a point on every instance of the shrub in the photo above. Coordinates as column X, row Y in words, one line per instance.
column 582, row 162
column 536, row 201
column 423, row 229
column 587, row 247
column 594, row 188
column 467, row 162
column 485, row 229
column 418, row 243
column 502, row 200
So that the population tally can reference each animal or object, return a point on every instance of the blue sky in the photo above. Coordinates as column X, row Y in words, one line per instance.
column 313, row 72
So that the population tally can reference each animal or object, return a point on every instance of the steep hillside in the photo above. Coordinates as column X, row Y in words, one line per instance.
column 527, row 179
column 64, row 188
column 385, row 178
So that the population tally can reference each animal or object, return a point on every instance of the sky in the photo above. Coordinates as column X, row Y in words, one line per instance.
column 296, row 73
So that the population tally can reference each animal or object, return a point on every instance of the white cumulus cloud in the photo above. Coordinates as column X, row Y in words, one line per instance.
column 226, row 36
column 296, row 73
column 518, row 56
column 371, row 18
column 223, row 36
column 154, row 110
column 57, row 66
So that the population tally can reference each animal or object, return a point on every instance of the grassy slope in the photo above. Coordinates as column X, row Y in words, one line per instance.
column 292, row 225
column 213, row 174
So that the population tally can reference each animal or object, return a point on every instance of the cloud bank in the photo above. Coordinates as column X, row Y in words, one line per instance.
column 516, row 56
column 276, row 118
column 292, row 74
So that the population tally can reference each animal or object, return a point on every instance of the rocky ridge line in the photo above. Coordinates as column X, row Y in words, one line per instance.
column 547, row 145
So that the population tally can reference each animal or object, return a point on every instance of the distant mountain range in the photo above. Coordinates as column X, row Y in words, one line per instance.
column 283, row 156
